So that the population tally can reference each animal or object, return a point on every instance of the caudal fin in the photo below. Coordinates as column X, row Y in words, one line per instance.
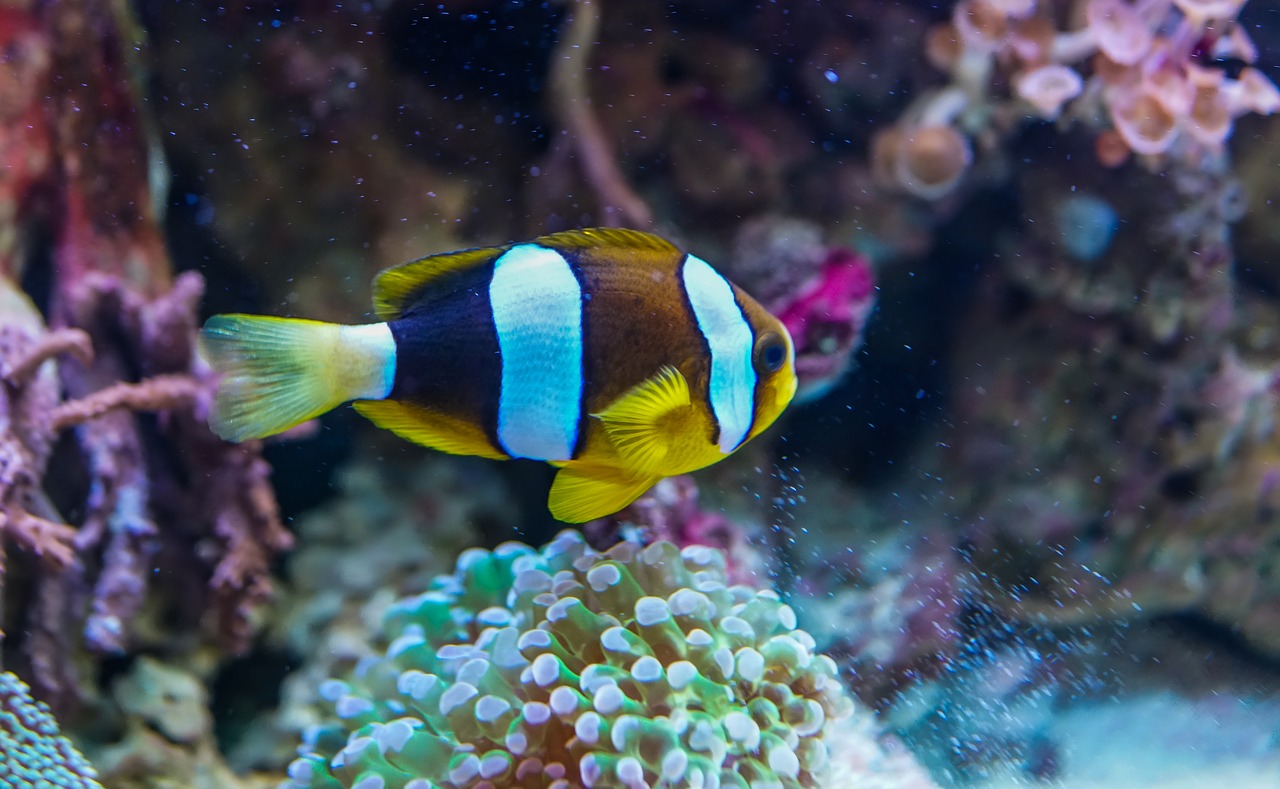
column 280, row 372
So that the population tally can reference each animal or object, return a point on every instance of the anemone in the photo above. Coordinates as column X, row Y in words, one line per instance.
column 636, row 666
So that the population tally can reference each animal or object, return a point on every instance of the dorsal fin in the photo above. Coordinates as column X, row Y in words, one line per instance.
column 394, row 288
column 618, row 238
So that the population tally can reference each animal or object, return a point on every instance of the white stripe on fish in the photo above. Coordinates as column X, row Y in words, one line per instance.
column 537, row 309
column 729, row 336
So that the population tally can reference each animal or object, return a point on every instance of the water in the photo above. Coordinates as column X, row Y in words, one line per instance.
column 1026, row 498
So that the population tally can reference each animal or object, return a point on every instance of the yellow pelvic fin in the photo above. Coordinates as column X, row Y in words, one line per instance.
column 641, row 422
column 618, row 238
column 431, row 429
column 280, row 372
column 583, row 493
column 394, row 288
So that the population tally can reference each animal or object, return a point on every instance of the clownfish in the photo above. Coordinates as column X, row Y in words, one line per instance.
column 610, row 354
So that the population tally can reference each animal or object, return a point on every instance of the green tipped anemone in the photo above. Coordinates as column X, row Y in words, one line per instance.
column 32, row 752
column 636, row 667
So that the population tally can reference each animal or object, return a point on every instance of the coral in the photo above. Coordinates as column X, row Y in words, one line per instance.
column 566, row 667
column 862, row 757
column 879, row 585
column 1086, row 224
column 892, row 624
column 394, row 526
column 926, row 158
column 81, row 166
column 1118, row 411
column 1146, row 77
column 28, row 395
column 826, row 317
column 370, row 547
column 823, row 294
column 670, row 512
column 167, row 739
column 166, row 699
column 32, row 753
column 32, row 416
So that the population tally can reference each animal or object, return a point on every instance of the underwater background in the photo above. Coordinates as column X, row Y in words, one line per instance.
column 1020, row 528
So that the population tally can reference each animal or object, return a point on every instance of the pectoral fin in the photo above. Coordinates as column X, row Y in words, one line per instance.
column 641, row 421
column 583, row 493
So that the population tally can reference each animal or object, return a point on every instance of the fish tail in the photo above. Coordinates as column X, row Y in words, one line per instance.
column 280, row 372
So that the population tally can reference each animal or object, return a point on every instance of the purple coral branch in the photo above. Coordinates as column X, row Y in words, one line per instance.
column 47, row 539
column 55, row 343
column 252, row 535
column 75, row 156
column 161, row 393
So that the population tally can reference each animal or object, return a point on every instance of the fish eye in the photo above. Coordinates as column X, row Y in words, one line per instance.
column 772, row 352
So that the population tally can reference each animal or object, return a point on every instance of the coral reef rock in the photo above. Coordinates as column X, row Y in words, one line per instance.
column 168, row 734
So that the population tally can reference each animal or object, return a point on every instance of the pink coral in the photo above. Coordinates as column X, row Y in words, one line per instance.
column 925, row 154
column 1049, row 87
column 823, row 294
column 826, row 319
column 1142, row 73
column 981, row 25
column 1118, row 30
column 1146, row 124
column 1207, row 10
column 1257, row 93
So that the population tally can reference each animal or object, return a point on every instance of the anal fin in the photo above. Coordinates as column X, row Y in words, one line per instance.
column 583, row 493
column 429, row 428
